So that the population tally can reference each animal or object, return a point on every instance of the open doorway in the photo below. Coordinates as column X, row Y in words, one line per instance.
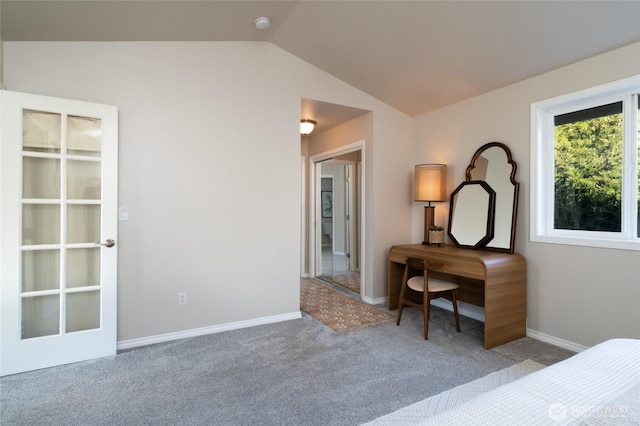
column 332, row 247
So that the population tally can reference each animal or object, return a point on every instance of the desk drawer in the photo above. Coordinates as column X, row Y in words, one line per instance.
column 464, row 268
column 471, row 268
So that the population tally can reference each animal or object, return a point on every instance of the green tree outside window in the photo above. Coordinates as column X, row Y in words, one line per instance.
column 588, row 174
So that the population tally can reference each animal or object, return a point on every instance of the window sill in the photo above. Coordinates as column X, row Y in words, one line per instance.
column 618, row 244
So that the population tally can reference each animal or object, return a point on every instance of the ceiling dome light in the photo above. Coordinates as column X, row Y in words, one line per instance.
column 306, row 126
column 262, row 23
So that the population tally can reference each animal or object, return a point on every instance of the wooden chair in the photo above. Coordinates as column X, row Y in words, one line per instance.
column 413, row 287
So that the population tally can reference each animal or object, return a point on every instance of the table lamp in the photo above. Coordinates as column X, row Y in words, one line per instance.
column 430, row 186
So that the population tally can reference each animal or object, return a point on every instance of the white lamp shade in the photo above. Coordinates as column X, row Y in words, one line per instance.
column 430, row 182
column 306, row 126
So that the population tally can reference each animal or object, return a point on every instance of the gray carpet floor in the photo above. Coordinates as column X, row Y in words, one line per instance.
column 297, row 372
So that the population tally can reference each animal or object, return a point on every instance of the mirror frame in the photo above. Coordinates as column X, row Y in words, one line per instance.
column 516, row 192
column 488, row 227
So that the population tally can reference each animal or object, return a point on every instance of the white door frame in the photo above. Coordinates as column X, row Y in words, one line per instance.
column 351, row 201
column 314, row 224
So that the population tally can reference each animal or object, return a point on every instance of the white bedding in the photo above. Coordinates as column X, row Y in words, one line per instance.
column 599, row 386
column 414, row 414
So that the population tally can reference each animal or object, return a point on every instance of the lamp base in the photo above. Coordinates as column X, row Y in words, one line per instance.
column 429, row 217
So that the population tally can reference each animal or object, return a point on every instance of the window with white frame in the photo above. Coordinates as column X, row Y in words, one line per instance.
column 585, row 167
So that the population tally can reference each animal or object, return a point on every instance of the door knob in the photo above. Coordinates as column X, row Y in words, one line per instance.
column 108, row 243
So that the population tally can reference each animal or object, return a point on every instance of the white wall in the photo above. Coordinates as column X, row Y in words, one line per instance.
column 201, row 125
column 576, row 294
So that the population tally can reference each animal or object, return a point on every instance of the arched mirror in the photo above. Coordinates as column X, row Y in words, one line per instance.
column 493, row 164
column 471, row 216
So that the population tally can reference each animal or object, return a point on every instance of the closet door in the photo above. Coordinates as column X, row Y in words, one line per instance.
column 58, row 214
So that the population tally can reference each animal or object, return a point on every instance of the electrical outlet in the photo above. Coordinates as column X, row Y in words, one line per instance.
column 182, row 298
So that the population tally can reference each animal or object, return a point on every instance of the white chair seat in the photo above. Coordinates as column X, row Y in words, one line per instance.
column 435, row 286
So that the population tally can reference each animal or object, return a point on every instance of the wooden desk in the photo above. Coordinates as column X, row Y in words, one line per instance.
column 495, row 281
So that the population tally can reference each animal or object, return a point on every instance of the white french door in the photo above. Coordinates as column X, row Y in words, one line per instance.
column 58, row 215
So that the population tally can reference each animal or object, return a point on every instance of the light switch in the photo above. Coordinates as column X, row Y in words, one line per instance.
column 123, row 213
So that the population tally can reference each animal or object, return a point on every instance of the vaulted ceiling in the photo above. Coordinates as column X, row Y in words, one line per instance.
column 416, row 56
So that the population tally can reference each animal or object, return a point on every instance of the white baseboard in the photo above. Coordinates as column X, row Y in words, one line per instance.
column 561, row 343
column 466, row 309
column 150, row 340
column 477, row 313
column 463, row 309
column 378, row 301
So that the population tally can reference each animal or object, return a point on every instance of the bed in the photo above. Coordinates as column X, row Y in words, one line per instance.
column 599, row 386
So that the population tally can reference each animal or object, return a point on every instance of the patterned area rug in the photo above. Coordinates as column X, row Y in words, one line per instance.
column 337, row 311
column 350, row 281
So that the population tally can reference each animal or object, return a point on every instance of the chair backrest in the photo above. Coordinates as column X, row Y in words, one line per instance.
column 414, row 267
column 415, row 263
column 421, row 264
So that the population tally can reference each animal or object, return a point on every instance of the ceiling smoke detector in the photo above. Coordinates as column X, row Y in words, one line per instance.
column 262, row 23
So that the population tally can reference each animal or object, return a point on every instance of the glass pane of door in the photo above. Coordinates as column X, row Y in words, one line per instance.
column 83, row 311
column 83, row 267
column 83, row 223
column 40, row 224
column 61, row 222
column 41, row 131
column 83, row 180
column 84, row 136
column 40, row 316
column 40, row 270
column 41, row 178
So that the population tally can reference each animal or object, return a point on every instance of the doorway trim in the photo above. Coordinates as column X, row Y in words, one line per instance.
column 314, row 223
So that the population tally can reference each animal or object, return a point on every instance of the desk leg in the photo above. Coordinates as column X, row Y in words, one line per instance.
column 505, row 311
column 395, row 282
